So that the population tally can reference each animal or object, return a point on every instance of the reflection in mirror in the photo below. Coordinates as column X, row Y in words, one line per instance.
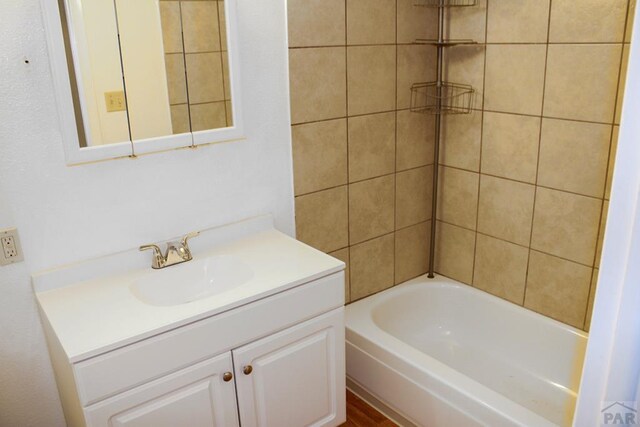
column 148, row 68
column 99, row 98
column 195, row 45
column 143, row 66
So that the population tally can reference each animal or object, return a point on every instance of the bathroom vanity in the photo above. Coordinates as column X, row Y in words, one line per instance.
column 250, row 332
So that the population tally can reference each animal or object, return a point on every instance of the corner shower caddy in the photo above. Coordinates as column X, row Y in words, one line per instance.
column 440, row 97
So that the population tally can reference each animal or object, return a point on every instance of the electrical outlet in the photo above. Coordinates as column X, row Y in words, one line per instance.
column 9, row 246
column 10, row 252
column 115, row 101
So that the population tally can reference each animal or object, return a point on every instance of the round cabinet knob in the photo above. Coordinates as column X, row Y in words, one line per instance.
column 247, row 369
column 227, row 376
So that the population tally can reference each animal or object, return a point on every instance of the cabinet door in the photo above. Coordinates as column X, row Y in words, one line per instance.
column 197, row 396
column 294, row 378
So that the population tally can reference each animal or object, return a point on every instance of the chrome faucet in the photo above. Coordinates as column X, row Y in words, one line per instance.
column 176, row 253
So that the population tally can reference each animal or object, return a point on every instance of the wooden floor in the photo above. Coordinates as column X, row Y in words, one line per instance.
column 360, row 414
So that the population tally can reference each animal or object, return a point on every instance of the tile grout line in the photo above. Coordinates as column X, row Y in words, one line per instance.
column 613, row 123
column 406, row 227
column 363, row 180
column 519, row 181
column 535, row 193
column 179, row 104
column 542, row 116
column 508, row 241
column 567, row 43
column 200, row 51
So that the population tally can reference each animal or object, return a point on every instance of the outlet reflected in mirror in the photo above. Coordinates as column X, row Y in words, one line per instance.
column 146, row 69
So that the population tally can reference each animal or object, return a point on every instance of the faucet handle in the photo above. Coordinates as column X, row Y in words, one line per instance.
column 158, row 258
column 185, row 239
column 155, row 248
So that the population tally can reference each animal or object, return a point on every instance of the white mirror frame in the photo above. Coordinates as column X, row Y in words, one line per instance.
column 75, row 154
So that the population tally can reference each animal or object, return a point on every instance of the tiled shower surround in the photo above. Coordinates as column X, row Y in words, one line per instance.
column 525, row 178
column 194, row 38
column 362, row 161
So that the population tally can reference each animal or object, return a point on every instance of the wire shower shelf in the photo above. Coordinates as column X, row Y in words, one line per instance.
column 445, row 3
column 448, row 98
column 440, row 97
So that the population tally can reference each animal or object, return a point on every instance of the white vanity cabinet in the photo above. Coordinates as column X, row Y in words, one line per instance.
column 291, row 378
column 266, row 352
column 195, row 396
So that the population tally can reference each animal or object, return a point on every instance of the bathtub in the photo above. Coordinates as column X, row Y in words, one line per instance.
column 439, row 353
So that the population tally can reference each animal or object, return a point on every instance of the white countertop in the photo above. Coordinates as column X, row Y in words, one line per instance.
column 91, row 309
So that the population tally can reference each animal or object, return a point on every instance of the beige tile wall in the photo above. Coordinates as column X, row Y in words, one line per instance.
column 363, row 163
column 196, row 64
column 526, row 177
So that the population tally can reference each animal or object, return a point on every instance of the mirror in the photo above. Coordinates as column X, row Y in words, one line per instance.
column 145, row 75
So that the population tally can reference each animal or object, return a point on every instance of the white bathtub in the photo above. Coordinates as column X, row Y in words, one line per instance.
column 440, row 353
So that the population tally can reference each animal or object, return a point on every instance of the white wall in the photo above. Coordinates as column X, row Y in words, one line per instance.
column 612, row 363
column 65, row 214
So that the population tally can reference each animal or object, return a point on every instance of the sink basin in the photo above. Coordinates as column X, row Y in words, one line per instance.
column 191, row 281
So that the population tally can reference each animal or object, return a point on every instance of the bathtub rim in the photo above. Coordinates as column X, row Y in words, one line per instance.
column 443, row 281
column 363, row 333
